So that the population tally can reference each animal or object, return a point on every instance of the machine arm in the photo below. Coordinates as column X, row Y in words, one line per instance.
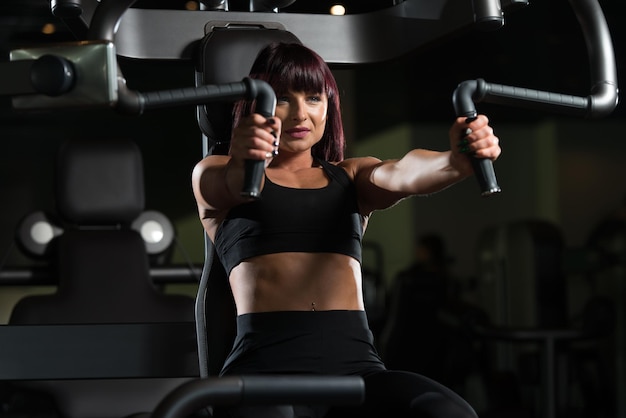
column 599, row 103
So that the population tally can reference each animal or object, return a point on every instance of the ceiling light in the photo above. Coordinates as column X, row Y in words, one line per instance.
column 48, row 29
column 338, row 10
column 192, row 5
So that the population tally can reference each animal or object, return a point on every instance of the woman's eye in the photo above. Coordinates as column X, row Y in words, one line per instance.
column 315, row 98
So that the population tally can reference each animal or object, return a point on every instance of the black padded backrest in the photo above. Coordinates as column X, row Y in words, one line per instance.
column 102, row 264
column 99, row 182
column 225, row 55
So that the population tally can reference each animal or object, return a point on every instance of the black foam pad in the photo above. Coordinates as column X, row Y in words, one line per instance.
column 100, row 182
column 225, row 55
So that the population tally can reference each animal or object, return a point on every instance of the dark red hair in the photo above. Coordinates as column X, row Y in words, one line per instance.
column 292, row 66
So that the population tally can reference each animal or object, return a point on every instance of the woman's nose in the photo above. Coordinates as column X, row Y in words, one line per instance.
column 299, row 112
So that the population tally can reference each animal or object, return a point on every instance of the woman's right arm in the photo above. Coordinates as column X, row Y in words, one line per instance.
column 217, row 180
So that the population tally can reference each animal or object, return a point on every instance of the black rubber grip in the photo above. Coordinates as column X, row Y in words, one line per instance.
column 265, row 105
column 193, row 95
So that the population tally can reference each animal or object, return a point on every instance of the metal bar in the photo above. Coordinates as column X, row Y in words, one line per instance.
column 261, row 390
column 351, row 39
column 36, row 276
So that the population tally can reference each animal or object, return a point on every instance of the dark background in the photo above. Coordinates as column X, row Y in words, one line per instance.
column 540, row 47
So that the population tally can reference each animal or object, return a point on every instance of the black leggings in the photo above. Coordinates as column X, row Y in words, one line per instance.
column 333, row 343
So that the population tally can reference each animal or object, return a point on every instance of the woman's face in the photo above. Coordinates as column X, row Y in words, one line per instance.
column 303, row 117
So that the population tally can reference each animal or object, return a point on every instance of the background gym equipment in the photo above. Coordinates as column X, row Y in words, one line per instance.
column 102, row 265
column 523, row 284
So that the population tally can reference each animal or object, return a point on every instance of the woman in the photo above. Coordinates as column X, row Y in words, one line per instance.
column 293, row 256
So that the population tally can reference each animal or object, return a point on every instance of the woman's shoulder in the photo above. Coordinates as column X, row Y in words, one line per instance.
column 354, row 166
column 207, row 163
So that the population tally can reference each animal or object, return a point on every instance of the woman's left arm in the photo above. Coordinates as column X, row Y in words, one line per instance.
column 381, row 184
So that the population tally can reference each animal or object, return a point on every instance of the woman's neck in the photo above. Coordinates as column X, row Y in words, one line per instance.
column 292, row 161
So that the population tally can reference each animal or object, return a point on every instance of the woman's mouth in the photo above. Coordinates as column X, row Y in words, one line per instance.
column 298, row 133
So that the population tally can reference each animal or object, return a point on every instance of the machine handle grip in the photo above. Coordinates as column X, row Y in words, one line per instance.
column 250, row 89
column 190, row 96
column 485, row 175
column 483, row 167
column 253, row 174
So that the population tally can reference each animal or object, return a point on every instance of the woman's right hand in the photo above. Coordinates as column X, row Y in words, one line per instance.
column 255, row 138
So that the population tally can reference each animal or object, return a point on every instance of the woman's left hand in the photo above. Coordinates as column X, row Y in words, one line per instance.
column 475, row 138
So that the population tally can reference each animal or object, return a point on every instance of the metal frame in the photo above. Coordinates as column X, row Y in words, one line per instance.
column 350, row 39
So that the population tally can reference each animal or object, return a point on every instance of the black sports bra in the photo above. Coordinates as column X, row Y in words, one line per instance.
column 287, row 219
